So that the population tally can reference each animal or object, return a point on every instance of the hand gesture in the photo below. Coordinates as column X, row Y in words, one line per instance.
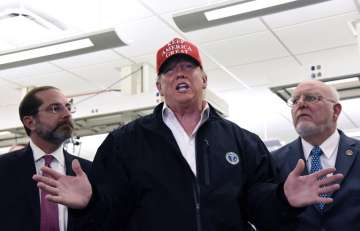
column 305, row 190
column 72, row 191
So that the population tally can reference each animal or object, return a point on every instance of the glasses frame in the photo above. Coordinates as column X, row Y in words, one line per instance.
column 57, row 108
column 308, row 98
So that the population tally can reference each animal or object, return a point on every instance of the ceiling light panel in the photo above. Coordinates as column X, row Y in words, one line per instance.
column 57, row 49
column 234, row 11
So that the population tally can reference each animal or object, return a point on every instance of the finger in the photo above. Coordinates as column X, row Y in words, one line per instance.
column 299, row 168
column 51, row 172
column 323, row 172
column 337, row 178
column 77, row 168
column 329, row 189
column 55, row 199
column 46, row 180
column 48, row 189
column 325, row 200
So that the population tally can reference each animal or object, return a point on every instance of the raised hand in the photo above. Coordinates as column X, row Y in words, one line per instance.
column 72, row 191
column 305, row 190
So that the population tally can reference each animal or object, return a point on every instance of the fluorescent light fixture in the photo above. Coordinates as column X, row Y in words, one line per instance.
column 5, row 133
column 44, row 51
column 233, row 11
column 342, row 81
column 348, row 87
column 91, row 42
column 243, row 8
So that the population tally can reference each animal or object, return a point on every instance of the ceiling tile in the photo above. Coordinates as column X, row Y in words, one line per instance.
column 88, row 60
column 245, row 49
column 103, row 74
column 312, row 12
column 14, row 74
column 270, row 72
column 67, row 82
column 227, row 31
column 219, row 81
column 334, row 62
column 10, row 94
column 144, row 37
column 320, row 34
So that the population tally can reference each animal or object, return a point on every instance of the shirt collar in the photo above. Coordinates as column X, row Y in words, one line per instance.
column 205, row 113
column 328, row 146
column 58, row 154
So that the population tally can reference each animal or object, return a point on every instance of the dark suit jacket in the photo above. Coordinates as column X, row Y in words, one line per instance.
column 344, row 212
column 19, row 196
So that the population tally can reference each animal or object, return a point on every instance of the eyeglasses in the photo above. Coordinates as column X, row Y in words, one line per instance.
column 58, row 108
column 292, row 101
column 186, row 67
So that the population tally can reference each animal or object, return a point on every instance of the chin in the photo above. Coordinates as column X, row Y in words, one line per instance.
column 306, row 129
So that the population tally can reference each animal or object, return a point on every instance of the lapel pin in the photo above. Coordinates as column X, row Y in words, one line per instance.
column 349, row 152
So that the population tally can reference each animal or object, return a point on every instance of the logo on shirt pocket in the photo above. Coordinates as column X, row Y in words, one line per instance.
column 232, row 158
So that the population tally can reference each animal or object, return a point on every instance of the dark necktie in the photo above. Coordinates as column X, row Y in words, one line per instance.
column 49, row 220
column 316, row 166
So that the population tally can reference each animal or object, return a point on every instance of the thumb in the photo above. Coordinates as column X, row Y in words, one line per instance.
column 299, row 168
column 77, row 168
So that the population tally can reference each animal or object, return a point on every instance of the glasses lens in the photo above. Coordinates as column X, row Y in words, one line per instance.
column 59, row 108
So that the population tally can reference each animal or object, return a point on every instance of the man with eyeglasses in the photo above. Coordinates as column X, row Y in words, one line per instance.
column 184, row 167
column 46, row 115
column 315, row 109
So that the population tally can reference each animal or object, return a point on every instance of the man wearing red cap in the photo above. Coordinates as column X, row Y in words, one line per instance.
column 184, row 167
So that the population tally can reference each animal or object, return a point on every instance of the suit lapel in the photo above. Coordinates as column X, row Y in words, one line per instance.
column 27, row 164
column 68, row 160
column 297, row 153
column 346, row 156
column 68, row 170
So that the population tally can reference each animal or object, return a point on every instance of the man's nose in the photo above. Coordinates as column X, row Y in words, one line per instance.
column 67, row 112
column 301, row 102
column 179, row 70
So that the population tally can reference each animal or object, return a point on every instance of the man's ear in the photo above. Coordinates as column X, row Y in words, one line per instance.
column 337, row 110
column 29, row 122
column 158, row 86
column 204, row 78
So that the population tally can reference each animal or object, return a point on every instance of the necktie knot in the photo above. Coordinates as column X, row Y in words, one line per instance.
column 315, row 159
column 316, row 151
column 48, row 159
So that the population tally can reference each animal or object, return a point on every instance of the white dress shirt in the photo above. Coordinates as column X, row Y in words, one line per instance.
column 185, row 142
column 58, row 164
column 329, row 148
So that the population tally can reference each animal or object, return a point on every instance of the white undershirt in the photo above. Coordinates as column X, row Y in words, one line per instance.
column 329, row 147
column 185, row 142
column 58, row 164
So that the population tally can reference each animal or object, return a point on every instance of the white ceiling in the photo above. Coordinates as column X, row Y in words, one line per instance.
column 260, row 52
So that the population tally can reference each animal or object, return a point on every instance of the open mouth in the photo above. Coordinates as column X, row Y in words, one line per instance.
column 182, row 87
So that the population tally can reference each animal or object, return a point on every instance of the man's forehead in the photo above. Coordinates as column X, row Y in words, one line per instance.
column 309, row 88
column 51, row 96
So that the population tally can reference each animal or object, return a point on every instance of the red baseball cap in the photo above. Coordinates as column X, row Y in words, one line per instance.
column 176, row 46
